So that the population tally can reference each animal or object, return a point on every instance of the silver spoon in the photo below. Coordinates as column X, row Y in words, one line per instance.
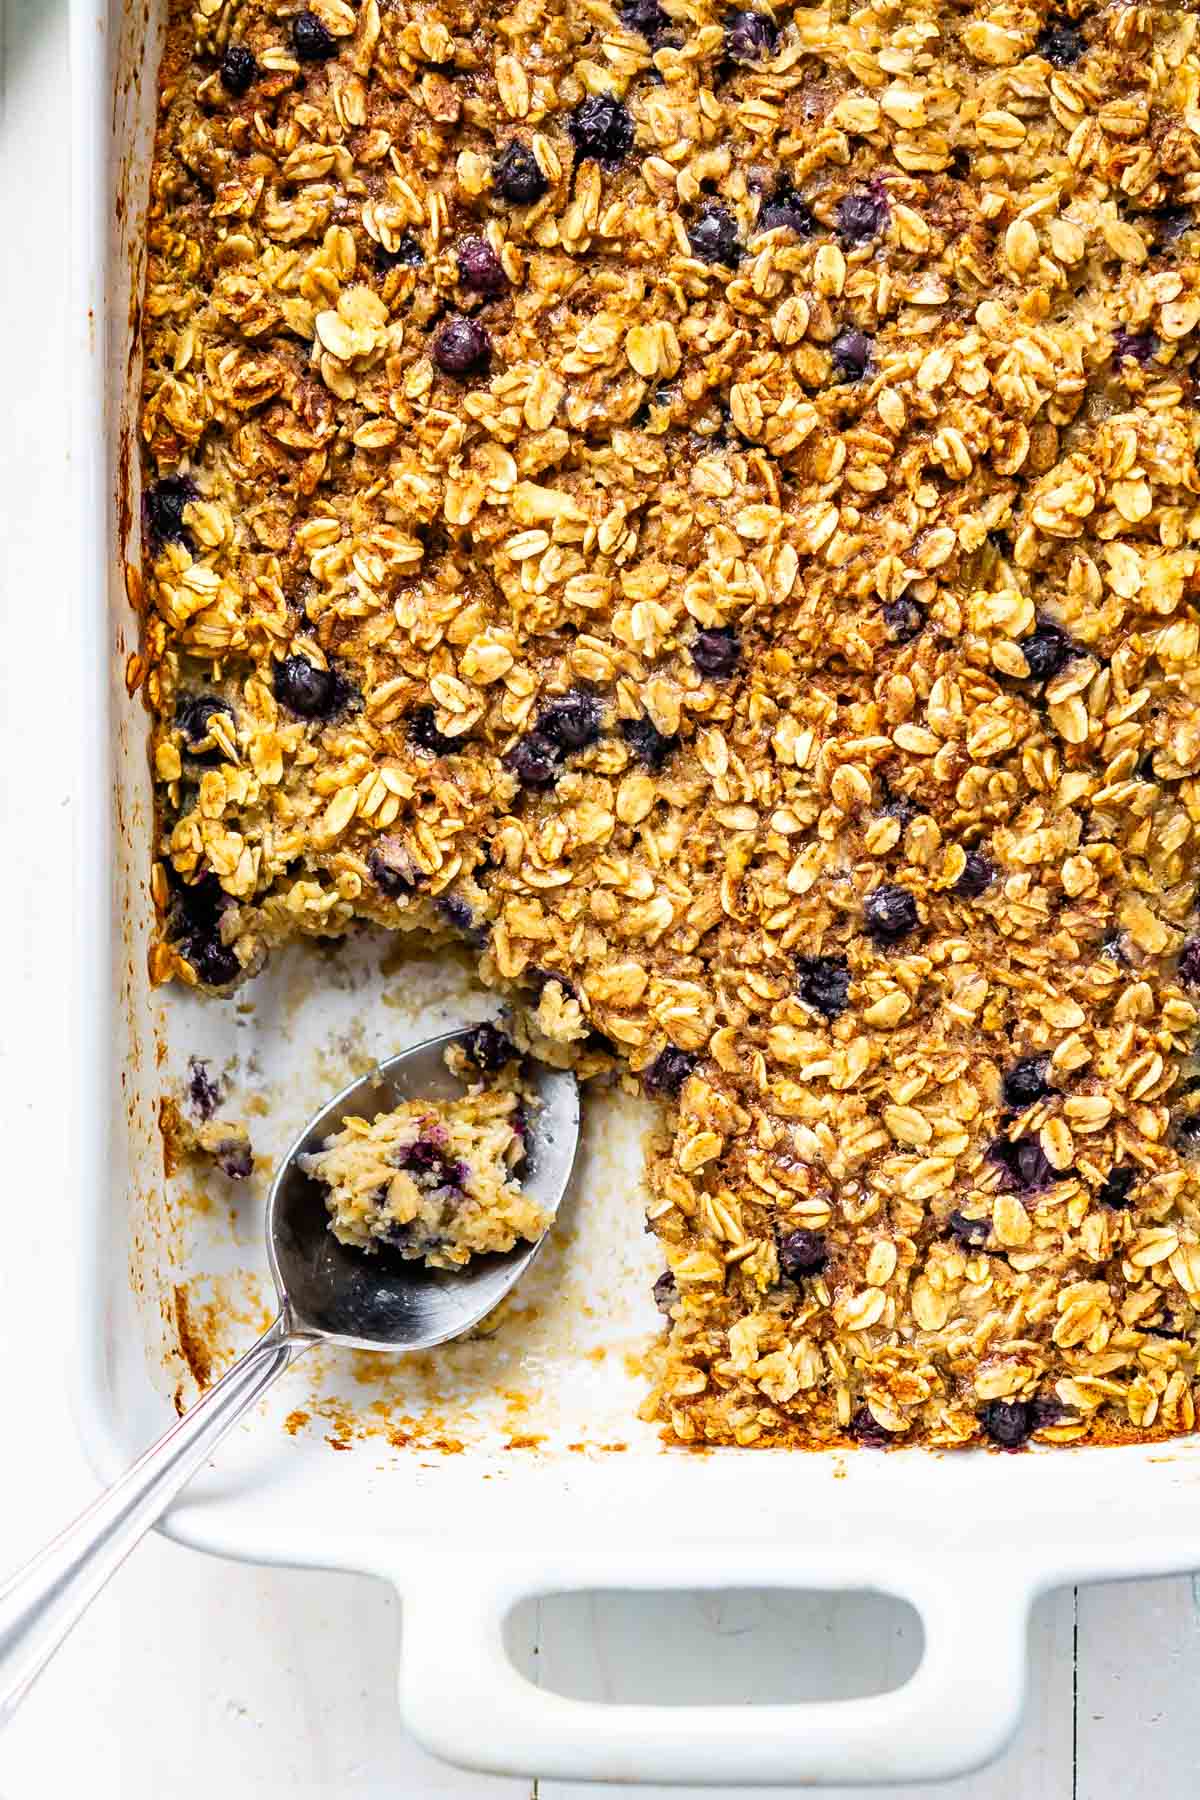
column 328, row 1294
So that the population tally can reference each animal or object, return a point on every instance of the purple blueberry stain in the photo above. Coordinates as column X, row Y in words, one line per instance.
column 1189, row 963
column 866, row 1430
column 979, row 872
column 392, row 868
column 535, row 760
column 971, row 1233
column 1024, row 1164
column 861, row 215
column 489, row 1048
column 203, row 1092
column 750, row 37
column 645, row 18
column 572, row 721
column 424, row 733
column 786, row 211
column 650, row 746
column 408, row 254
column 903, row 620
column 235, row 1158
column 666, row 1292
column 1133, row 346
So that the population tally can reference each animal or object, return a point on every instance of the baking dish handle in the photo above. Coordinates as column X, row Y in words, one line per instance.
column 462, row 1698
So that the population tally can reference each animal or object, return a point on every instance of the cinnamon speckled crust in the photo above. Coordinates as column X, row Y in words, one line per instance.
column 952, row 578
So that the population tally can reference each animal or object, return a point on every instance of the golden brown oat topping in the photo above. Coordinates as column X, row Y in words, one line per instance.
column 706, row 502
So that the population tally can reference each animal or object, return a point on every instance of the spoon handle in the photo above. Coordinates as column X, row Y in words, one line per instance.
column 43, row 1601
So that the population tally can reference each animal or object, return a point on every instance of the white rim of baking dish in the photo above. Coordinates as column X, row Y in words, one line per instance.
column 460, row 1693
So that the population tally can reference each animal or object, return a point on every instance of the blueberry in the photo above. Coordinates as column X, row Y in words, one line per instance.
column 479, row 267
column 651, row 746
column 1024, row 1162
column 867, row 1431
column 603, row 128
column 408, row 254
column 666, row 1292
column 1026, row 1082
column 802, row 1253
column 239, row 71
column 1134, row 346
column 540, row 979
column 890, row 913
column 898, row 807
column 904, row 619
column 391, row 868
column 430, row 1167
column 978, row 874
column 461, row 347
column 750, row 37
column 304, row 689
column 234, row 1158
column 1046, row 650
column 192, row 715
column 164, row 504
column 487, row 1047
column 203, row 1091
column 572, row 721
column 535, row 760
column 785, row 211
column 1173, row 221
column 714, row 236
column 1007, row 1422
column 972, row 1234
column 716, row 652
column 1117, row 1183
column 195, row 927
column 668, row 1072
column 423, row 732
column 1046, row 1410
column 862, row 214
column 517, row 176
column 645, row 17
column 851, row 353
column 1189, row 963
column 460, row 916
column 824, row 983
column 310, row 40
column 1060, row 43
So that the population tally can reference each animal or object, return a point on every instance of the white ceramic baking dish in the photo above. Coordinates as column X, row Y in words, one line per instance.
column 538, row 1499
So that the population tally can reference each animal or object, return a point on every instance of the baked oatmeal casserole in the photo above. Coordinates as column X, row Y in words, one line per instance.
column 702, row 505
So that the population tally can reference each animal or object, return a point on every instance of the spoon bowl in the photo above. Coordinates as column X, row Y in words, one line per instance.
column 381, row 1301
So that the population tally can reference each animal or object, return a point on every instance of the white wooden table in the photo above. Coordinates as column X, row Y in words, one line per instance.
column 194, row 1677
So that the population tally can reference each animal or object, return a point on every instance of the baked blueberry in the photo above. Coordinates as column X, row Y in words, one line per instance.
column 1046, row 650
column 423, row 732
column 408, row 254
column 802, row 1253
column 391, row 868
column 1060, row 42
column 666, row 1292
column 668, row 1072
column 310, row 40
column 1026, row 1082
column 890, row 913
column 824, row 983
column 235, row 1158
column 972, row 1234
column 1116, row 1186
column 785, row 211
column 306, row 690
column 716, row 652
column 535, row 760
column 867, row 1431
column 164, row 504
column 862, row 214
column 648, row 744
column 1006, row 1422
column 572, row 721
column 239, row 71
column 750, row 37
column 1133, row 346
column 461, row 347
column 192, row 715
column 1171, row 222
column 602, row 128
column 903, row 619
column 488, row 1047
column 978, row 874
column 517, row 176
column 1189, row 963
column 714, row 236
column 195, row 928
column 645, row 17
column 1045, row 1410
column 479, row 267
column 1025, row 1163
column 851, row 353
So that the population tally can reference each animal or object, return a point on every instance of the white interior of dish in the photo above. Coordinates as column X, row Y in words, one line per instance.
column 307, row 1024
